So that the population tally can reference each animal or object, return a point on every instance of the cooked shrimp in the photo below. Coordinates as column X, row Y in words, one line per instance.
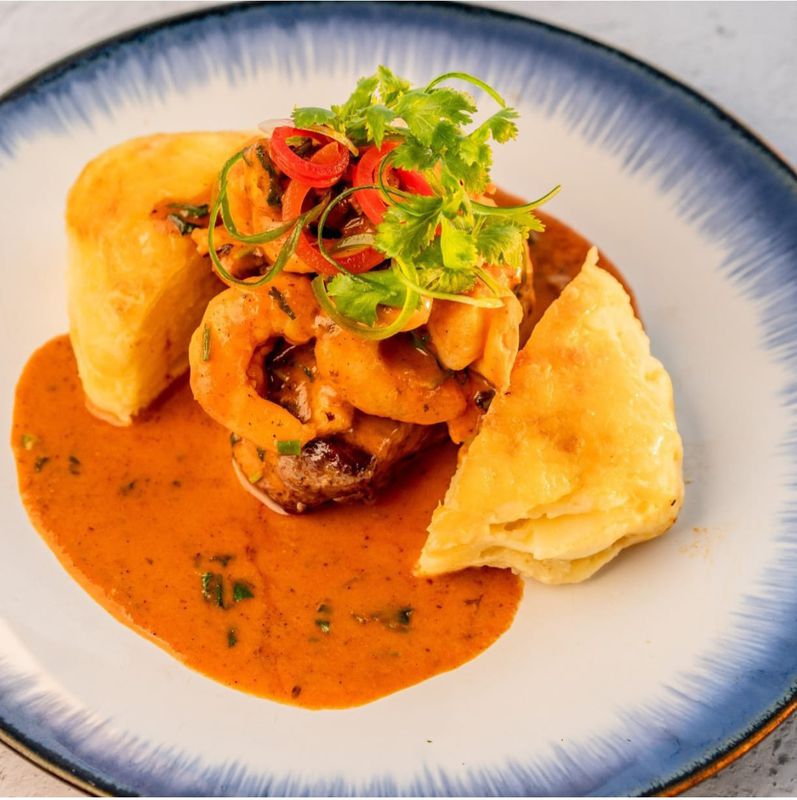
column 502, row 342
column 484, row 339
column 388, row 379
column 418, row 317
column 236, row 324
column 249, row 192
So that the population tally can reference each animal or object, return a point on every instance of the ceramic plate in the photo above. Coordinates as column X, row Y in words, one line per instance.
column 670, row 657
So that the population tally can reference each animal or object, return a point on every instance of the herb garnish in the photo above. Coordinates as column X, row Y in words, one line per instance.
column 206, row 343
column 234, row 439
column 74, row 465
column 184, row 226
column 274, row 190
column 223, row 559
column 28, row 441
column 323, row 625
column 128, row 487
column 40, row 462
column 404, row 615
column 188, row 211
column 289, row 447
column 394, row 620
column 186, row 217
column 438, row 241
column 232, row 637
column 242, row 590
column 213, row 588
column 280, row 300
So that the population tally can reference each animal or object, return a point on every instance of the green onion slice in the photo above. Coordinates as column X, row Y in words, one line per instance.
column 322, row 222
column 408, row 275
column 289, row 447
column 226, row 214
column 282, row 259
column 508, row 211
column 356, row 241
column 468, row 78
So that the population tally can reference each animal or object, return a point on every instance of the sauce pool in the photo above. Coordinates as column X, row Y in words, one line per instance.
column 321, row 610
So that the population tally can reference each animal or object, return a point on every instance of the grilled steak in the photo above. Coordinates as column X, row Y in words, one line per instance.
column 353, row 462
column 346, row 467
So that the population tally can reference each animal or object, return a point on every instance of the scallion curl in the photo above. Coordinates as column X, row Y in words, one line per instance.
column 323, row 220
column 468, row 78
column 408, row 275
column 508, row 211
column 226, row 214
column 285, row 252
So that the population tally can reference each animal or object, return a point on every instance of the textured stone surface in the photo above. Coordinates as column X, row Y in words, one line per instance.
column 741, row 55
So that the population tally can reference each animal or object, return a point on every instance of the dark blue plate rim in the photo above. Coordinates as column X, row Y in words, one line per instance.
column 775, row 714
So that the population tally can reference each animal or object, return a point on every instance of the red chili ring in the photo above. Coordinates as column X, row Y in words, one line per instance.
column 319, row 174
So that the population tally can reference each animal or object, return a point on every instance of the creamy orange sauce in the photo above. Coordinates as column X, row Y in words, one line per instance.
column 138, row 515
column 320, row 610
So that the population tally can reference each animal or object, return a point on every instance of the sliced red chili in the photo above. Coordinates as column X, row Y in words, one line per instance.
column 370, row 200
column 306, row 247
column 317, row 173
column 366, row 172
column 413, row 182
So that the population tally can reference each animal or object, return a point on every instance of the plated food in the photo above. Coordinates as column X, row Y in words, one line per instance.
column 378, row 291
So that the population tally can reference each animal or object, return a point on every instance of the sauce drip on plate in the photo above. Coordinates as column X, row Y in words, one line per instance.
column 320, row 610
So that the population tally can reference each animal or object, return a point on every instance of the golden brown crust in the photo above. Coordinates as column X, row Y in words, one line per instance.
column 579, row 459
column 137, row 289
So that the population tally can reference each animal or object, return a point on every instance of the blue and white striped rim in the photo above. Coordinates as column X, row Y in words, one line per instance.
column 764, row 267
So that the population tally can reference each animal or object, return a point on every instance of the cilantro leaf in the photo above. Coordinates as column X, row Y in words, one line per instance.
column 411, row 154
column 308, row 116
column 500, row 125
column 359, row 296
column 474, row 174
column 440, row 279
column 432, row 274
column 409, row 226
column 351, row 115
column 423, row 111
column 391, row 87
column 457, row 247
column 360, row 98
column 377, row 118
column 498, row 240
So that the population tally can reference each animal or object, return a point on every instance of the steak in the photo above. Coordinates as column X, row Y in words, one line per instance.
column 347, row 467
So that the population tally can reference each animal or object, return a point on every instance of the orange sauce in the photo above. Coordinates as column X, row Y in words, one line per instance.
column 139, row 515
column 320, row 610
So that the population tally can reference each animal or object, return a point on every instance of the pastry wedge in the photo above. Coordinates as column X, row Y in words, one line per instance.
column 136, row 287
column 578, row 460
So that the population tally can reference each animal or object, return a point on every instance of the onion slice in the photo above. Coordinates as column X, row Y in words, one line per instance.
column 257, row 493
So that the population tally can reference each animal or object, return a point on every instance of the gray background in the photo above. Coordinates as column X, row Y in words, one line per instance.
column 741, row 55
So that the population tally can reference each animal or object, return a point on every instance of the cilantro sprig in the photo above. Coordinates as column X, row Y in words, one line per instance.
column 437, row 243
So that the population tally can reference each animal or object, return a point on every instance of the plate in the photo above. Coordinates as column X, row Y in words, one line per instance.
column 680, row 652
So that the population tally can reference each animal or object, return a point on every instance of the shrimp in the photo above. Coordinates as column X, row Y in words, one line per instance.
column 238, row 323
column 253, row 196
column 388, row 379
column 484, row 339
